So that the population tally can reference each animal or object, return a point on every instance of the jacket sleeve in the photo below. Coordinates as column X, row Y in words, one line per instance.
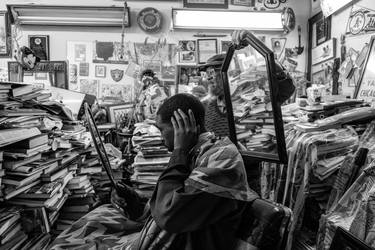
column 176, row 209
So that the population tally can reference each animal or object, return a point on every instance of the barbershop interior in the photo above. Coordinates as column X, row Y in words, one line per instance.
column 187, row 124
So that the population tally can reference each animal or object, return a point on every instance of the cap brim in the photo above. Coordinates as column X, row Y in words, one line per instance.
column 211, row 64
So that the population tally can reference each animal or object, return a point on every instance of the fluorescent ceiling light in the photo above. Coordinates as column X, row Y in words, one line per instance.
column 331, row 6
column 224, row 19
column 68, row 15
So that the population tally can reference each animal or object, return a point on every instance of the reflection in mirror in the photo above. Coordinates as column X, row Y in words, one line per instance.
column 251, row 101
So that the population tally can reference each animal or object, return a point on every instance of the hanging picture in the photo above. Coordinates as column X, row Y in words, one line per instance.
column 89, row 86
column 5, row 35
column 84, row 69
column 40, row 45
column 206, row 49
column 278, row 46
column 215, row 4
column 366, row 85
column 248, row 3
column 318, row 77
column 324, row 52
column 361, row 21
column 145, row 52
column 188, row 52
column 100, row 71
column 111, row 52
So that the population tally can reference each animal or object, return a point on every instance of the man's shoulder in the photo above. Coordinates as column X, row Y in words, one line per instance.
column 222, row 148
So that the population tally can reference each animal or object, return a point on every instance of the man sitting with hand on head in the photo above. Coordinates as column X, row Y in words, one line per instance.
column 199, row 199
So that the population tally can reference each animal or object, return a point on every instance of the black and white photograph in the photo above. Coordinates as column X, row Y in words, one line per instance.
column 40, row 45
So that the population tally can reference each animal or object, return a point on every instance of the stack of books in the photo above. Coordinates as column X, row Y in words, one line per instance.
column 151, row 159
column 2, row 173
column 11, row 234
column 30, row 92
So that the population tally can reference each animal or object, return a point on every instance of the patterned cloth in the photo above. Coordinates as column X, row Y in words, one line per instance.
column 102, row 228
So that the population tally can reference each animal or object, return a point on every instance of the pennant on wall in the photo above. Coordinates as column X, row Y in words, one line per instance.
column 361, row 21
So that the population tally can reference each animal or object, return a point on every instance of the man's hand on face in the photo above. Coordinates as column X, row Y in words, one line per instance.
column 186, row 130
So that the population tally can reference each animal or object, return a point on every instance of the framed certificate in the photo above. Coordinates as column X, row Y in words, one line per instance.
column 206, row 49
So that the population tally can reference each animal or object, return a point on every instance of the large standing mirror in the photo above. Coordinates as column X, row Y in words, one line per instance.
column 251, row 90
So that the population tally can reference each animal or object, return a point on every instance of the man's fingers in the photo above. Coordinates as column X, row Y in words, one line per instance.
column 174, row 124
column 192, row 120
column 179, row 120
column 185, row 118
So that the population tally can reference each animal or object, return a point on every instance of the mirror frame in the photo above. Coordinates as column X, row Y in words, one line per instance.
column 261, row 48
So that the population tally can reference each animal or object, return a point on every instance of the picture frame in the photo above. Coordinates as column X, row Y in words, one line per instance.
column 278, row 46
column 100, row 71
column 188, row 52
column 213, row 4
column 324, row 52
column 324, row 35
column 318, row 77
column 40, row 45
column 154, row 65
column 206, row 49
column 5, row 35
column 84, row 69
column 247, row 3
column 365, row 88
column 117, row 112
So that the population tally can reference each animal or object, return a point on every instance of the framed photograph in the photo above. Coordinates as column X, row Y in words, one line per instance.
column 248, row 3
column 5, row 35
column 206, row 49
column 188, row 52
column 40, row 45
column 118, row 113
column 318, row 77
column 322, row 30
column 365, row 88
column 324, row 52
column 278, row 46
column 100, row 71
column 215, row 4
column 41, row 76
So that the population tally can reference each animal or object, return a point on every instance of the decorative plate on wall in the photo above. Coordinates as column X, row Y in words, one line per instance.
column 150, row 20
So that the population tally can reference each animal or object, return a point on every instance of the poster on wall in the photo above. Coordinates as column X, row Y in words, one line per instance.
column 361, row 21
column 365, row 89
